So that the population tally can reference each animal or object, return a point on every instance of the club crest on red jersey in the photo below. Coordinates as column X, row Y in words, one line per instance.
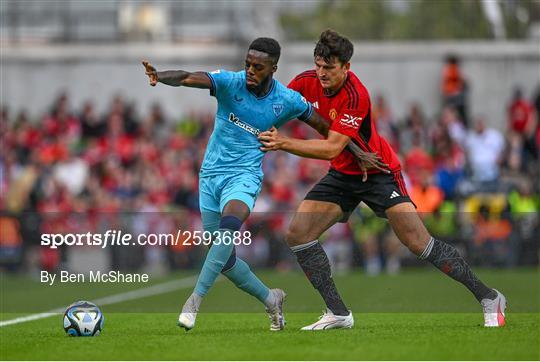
column 332, row 114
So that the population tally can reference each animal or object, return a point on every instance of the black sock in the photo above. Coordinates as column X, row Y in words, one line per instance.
column 447, row 259
column 316, row 266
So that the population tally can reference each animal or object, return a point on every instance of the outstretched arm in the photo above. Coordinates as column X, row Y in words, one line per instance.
column 177, row 78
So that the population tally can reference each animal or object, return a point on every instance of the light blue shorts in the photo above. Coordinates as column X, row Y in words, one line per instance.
column 216, row 191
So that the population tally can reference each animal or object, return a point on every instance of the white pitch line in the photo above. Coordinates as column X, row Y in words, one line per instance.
column 31, row 317
column 148, row 291
column 116, row 298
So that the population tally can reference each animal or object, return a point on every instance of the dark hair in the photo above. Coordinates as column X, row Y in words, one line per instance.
column 452, row 59
column 331, row 44
column 267, row 45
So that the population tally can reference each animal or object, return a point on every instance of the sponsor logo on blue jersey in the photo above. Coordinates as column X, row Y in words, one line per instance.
column 236, row 121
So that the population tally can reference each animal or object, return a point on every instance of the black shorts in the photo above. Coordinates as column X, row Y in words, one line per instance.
column 380, row 192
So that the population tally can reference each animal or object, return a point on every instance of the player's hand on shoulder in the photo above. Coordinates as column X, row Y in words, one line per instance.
column 271, row 140
column 151, row 72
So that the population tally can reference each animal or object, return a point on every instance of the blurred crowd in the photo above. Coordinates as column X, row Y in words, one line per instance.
column 74, row 170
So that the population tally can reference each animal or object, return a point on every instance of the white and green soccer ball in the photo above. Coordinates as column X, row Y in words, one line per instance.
column 83, row 319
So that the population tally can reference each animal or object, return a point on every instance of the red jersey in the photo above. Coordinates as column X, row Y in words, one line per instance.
column 520, row 113
column 349, row 113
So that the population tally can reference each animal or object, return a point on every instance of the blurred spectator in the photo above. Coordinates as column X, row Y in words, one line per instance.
column 427, row 196
column 417, row 162
column 11, row 245
column 450, row 122
column 454, row 87
column 72, row 173
column 26, row 136
column 492, row 239
column 523, row 127
column 338, row 247
column 484, row 147
column 60, row 123
column 92, row 126
column 414, row 132
column 524, row 208
column 520, row 113
column 443, row 223
column 380, row 246
column 449, row 161
column 385, row 122
column 157, row 124
column 20, row 185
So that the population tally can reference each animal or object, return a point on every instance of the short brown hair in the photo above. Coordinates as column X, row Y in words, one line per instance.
column 332, row 44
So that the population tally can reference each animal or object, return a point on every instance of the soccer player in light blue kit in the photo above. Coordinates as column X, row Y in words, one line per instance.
column 249, row 102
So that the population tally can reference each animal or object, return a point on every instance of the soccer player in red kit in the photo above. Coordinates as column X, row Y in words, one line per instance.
column 338, row 95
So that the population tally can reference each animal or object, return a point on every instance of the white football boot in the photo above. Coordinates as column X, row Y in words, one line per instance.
column 331, row 321
column 187, row 317
column 275, row 312
column 494, row 311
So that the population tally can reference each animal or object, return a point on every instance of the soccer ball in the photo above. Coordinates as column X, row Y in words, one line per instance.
column 83, row 319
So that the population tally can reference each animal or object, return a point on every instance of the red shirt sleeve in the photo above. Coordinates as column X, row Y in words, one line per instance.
column 296, row 84
column 350, row 119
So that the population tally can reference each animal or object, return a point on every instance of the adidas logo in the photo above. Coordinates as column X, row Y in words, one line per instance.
column 394, row 194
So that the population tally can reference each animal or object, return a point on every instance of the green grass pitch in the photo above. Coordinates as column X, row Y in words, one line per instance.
column 417, row 315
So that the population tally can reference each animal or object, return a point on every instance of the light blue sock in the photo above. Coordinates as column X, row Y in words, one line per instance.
column 216, row 258
column 242, row 276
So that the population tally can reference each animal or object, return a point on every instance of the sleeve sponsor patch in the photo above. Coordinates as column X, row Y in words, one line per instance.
column 347, row 120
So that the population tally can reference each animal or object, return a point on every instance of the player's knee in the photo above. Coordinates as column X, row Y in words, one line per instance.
column 295, row 236
column 422, row 240
column 290, row 237
column 416, row 248
column 414, row 238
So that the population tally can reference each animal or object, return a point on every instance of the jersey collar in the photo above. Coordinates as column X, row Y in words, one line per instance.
column 272, row 86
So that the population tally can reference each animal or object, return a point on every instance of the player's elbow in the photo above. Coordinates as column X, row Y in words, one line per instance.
column 186, row 82
column 332, row 152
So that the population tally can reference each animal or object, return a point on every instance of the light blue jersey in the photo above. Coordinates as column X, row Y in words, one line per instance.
column 232, row 167
column 241, row 116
